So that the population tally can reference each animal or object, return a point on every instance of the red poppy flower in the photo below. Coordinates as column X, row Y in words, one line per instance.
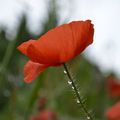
column 57, row 46
column 45, row 115
column 113, row 113
column 113, row 86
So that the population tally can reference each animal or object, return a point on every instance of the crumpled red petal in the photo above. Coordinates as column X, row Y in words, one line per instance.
column 51, row 47
column 82, row 34
column 32, row 70
column 62, row 43
column 24, row 46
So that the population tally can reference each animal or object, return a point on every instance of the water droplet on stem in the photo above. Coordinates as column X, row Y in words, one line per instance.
column 65, row 72
column 78, row 101
column 73, row 88
column 69, row 82
column 88, row 117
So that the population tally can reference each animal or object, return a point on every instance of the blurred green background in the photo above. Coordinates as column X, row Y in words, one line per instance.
column 18, row 101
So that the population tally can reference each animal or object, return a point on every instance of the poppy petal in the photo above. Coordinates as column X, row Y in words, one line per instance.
column 62, row 43
column 51, row 46
column 23, row 47
column 82, row 34
column 32, row 70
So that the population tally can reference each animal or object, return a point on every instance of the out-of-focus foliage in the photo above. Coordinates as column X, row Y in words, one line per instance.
column 18, row 100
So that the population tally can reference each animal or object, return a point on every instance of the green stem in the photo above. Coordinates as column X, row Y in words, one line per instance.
column 77, row 93
column 7, row 56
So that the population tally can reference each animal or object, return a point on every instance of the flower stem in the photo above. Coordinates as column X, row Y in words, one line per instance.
column 7, row 56
column 77, row 93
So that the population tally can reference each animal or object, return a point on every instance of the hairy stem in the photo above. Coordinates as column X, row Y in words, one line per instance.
column 77, row 93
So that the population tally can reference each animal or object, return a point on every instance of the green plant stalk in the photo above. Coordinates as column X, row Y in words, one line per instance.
column 88, row 115
column 7, row 55
column 4, row 64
